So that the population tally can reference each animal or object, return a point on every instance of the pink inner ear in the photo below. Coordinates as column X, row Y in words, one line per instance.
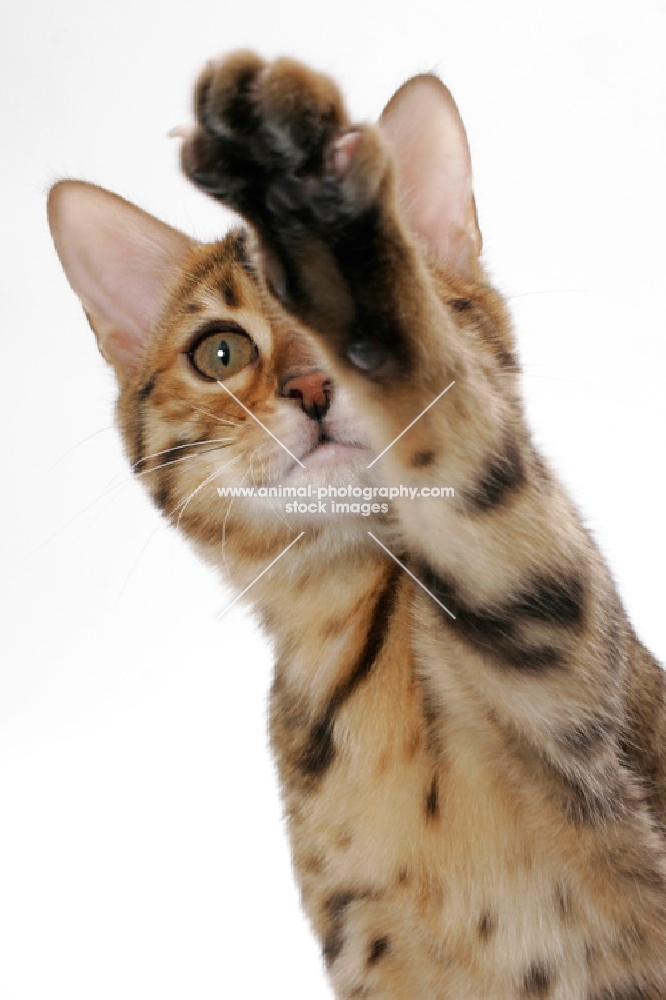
column 433, row 170
column 119, row 260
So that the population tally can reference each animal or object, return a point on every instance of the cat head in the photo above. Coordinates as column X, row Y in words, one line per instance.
column 219, row 388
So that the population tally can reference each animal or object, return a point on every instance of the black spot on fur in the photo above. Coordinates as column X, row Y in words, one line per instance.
column 562, row 901
column 138, row 444
column 378, row 948
column 487, row 926
column 335, row 908
column 585, row 805
column 192, row 307
column 174, row 453
column 432, row 714
column 582, row 739
column 241, row 248
column 553, row 601
column 461, row 305
column 502, row 477
column 230, row 291
column 430, row 710
column 498, row 633
column 422, row 459
column 146, row 389
column 320, row 750
column 432, row 800
column 314, row 864
column 507, row 359
column 162, row 495
column 538, row 981
column 591, row 955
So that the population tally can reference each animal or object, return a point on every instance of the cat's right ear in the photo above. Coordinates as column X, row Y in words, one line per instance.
column 120, row 261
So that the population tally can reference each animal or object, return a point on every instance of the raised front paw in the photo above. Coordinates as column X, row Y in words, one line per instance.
column 275, row 138
column 273, row 142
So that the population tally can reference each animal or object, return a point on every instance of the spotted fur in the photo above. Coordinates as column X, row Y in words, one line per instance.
column 475, row 793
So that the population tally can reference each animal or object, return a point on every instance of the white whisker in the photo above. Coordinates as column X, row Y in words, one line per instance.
column 550, row 291
column 178, row 447
column 183, row 503
column 102, row 430
column 160, row 527
column 112, row 488
column 177, row 461
column 224, row 529
column 73, row 518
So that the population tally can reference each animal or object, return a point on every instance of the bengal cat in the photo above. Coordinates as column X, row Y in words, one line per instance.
column 470, row 737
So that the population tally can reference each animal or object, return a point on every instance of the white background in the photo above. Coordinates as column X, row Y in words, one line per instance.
column 141, row 850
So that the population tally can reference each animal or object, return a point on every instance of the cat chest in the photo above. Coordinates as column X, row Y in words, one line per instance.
column 402, row 841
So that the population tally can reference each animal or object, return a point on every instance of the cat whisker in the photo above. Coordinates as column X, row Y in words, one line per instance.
column 162, row 525
column 224, row 528
column 177, row 461
column 69, row 451
column 184, row 503
column 63, row 527
column 550, row 378
column 112, row 488
column 550, row 291
column 267, row 478
column 178, row 447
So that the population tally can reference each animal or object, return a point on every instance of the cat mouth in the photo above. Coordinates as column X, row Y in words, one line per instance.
column 331, row 452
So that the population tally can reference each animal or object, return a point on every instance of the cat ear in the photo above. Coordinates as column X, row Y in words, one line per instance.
column 425, row 133
column 120, row 262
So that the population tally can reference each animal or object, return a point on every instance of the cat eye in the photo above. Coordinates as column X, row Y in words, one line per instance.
column 221, row 351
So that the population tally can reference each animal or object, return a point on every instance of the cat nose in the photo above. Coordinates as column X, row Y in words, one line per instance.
column 313, row 390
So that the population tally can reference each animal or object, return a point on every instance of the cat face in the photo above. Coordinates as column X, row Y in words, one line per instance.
column 230, row 394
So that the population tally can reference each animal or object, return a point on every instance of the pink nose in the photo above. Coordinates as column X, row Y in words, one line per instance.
column 313, row 390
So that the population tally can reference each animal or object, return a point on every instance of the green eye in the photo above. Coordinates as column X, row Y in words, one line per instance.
column 222, row 353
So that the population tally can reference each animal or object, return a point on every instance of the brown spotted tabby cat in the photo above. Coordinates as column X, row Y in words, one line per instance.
column 471, row 744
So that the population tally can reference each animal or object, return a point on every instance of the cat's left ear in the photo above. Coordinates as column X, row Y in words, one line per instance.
column 120, row 261
column 433, row 167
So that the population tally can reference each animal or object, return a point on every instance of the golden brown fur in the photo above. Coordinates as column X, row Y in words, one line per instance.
column 476, row 806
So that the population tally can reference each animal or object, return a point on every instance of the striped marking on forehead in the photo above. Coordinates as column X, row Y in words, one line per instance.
column 226, row 267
